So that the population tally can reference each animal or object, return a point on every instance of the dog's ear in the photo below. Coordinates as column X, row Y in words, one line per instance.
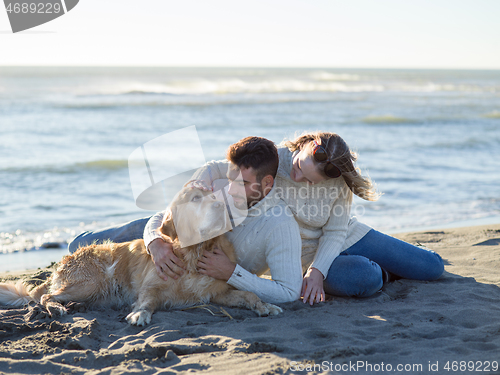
column 167, row 227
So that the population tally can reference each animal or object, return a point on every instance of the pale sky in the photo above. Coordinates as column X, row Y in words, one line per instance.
column 286, row 33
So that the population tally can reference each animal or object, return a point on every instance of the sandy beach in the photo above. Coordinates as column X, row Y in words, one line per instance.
column 448, row 326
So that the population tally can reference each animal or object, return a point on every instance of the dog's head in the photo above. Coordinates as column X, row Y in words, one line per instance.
column 194, row 216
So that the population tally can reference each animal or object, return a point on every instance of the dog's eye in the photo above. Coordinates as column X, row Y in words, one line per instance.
column 196, row 198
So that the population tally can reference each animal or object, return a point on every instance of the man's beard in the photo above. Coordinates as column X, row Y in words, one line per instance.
column 255, row 198
column 244, row 203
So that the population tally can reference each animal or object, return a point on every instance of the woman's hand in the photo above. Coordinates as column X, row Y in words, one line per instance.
column 166, row 262
column 312, row 287
column 198, row 184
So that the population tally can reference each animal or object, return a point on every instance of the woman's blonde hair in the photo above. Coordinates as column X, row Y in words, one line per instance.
column 342, row 157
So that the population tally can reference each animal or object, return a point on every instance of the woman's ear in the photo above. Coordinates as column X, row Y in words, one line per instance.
column 167, row 227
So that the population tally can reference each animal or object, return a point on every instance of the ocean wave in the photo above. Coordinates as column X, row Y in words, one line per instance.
column 327, row 76
column 218, row 82
column 55, row 238
column 494, row 114
column 28, row 241
column 104, row 103
column 144, row 92
column 239, row 86
column 387, row 119
column 107, row 164
column 90, row 106
column 469, row 143
column 237, row 91
column 103, row 164
column 316, row 82
column 208, row 91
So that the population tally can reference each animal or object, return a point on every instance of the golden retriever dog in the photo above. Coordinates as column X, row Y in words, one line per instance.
column 124, row 274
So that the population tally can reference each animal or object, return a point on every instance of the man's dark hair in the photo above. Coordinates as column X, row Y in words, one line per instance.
column 256, row 152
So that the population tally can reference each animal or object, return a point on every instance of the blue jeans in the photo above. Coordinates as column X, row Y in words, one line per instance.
column 359, row 270
column 130, row 231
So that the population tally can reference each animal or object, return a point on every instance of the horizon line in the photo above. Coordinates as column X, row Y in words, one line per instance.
column 245, row 67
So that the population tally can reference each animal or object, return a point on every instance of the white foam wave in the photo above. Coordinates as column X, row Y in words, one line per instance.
column 317, row 82
column 231, row 86
column 435, row 87
column 326, row 76
column 25, row 241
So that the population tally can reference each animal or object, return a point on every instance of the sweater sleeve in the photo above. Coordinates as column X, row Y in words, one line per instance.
column 151, row 229
column 334, row 232
column 211, row 171
column 283, row 258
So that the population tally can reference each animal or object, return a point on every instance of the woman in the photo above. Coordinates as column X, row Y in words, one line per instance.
column 341, row 255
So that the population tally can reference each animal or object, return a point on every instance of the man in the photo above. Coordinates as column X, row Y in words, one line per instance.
column 267, row 239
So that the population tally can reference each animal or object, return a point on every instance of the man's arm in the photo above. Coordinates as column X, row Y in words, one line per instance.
column 284, row 247
column 282, row 254
column 166, row 262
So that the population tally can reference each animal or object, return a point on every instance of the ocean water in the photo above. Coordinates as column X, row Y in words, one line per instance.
column 430, row 139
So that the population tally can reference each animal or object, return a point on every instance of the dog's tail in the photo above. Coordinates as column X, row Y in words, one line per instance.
column 14, row 294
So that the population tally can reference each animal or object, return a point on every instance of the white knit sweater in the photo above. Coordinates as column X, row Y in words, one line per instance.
column 267, row 240
column 323, row 213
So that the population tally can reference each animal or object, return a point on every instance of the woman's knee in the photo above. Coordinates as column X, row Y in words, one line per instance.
column 354, row 276
column 435, row 267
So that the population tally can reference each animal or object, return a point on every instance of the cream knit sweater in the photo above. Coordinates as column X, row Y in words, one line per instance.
column 323, row 214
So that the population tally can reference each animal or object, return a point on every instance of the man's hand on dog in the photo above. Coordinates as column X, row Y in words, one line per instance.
column 216, row 264
column 166, row 263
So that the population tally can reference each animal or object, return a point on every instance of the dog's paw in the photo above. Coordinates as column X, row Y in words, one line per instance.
column 139, row 318
column 273, row 309
column 55, row 309
column 74, row 307
column 266, row 309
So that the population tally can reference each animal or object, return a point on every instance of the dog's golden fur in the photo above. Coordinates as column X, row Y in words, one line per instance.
column 124, row 274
